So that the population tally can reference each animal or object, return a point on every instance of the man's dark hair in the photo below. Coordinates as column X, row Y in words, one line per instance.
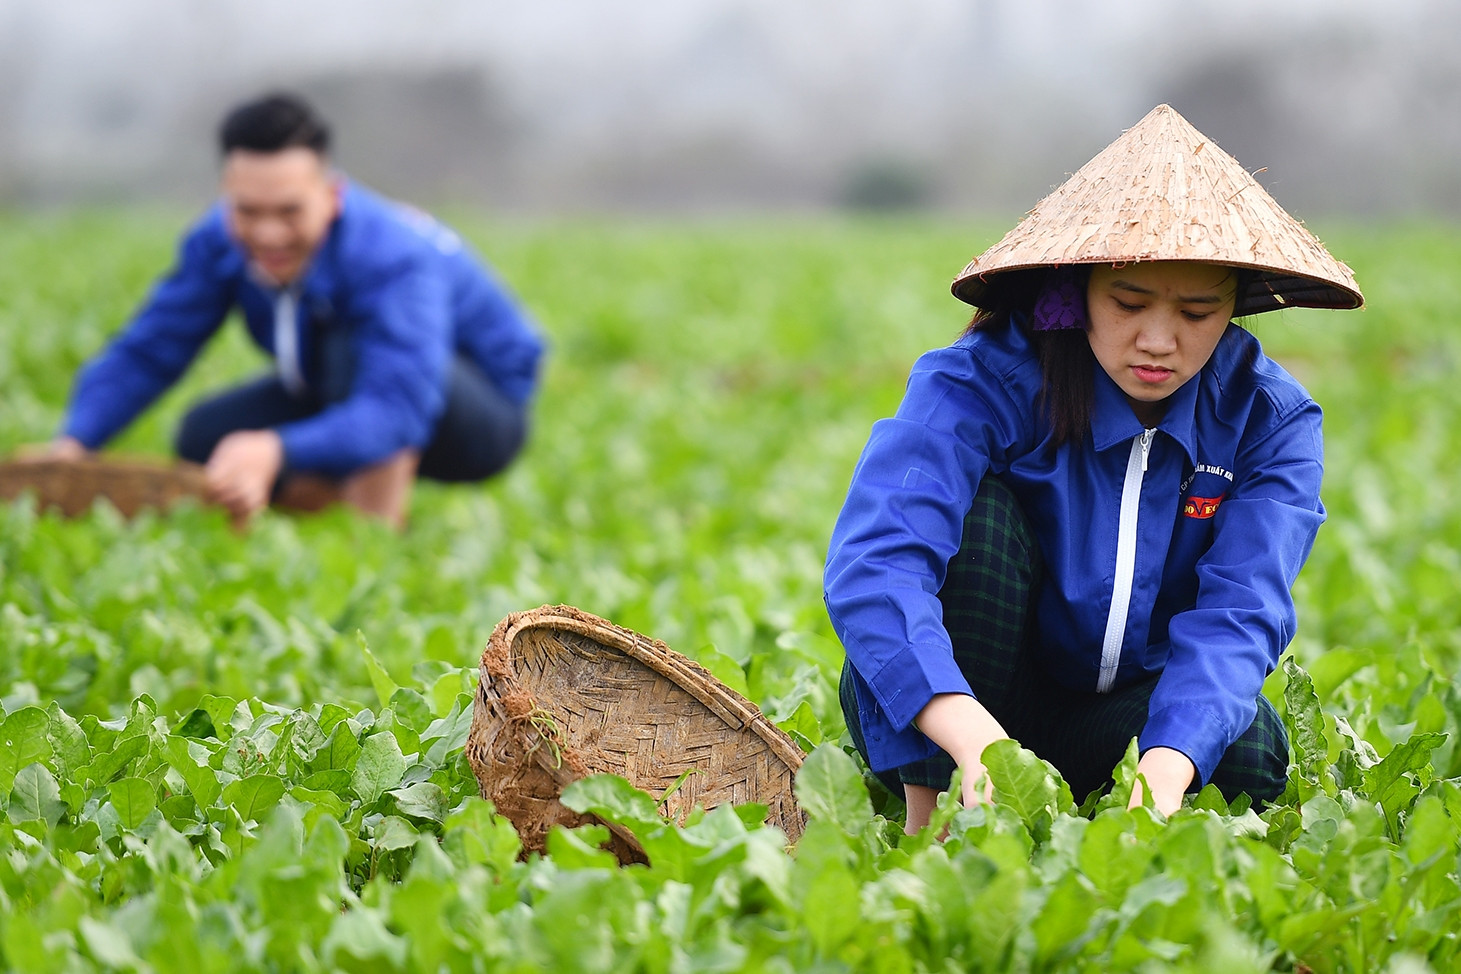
column 273, row 123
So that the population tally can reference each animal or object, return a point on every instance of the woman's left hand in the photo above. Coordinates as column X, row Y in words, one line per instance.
column 1168, row 772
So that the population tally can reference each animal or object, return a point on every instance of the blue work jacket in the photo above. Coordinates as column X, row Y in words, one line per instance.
column 1223, row 506
column 405, row 289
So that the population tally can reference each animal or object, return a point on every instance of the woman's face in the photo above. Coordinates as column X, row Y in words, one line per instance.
column 1154, row 325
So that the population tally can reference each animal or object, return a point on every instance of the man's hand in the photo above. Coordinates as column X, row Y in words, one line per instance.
column 242, row 470
column 963, row 727
column 1169, row 772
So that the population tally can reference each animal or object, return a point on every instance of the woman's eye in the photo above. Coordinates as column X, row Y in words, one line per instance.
column 1126, row 307
column 1196, row 315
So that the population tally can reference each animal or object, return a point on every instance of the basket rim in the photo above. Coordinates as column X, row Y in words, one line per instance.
column 182, row 472
column 729, row 705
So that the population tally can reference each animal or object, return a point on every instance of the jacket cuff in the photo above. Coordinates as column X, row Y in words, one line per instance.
column 908, row 681
column 88, row 435
column 306, row 449
column 1195, row 731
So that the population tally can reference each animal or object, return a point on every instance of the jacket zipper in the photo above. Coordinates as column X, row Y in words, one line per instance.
column 1141, row 448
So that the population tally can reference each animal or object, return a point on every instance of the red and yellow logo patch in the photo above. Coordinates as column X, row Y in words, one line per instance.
column 1202, row 507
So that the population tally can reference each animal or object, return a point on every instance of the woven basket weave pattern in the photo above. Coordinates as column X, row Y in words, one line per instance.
column 72, row 486
column 564, row 694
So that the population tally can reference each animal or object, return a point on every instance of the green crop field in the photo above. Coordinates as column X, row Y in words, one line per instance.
column 229, row 751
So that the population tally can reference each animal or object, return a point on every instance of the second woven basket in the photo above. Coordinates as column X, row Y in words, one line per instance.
column 72, row 486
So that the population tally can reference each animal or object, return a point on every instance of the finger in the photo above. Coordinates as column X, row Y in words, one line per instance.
column 256, row 501
column 235, row 498
column 236, row 505
column 977, row 788
column 219, row 491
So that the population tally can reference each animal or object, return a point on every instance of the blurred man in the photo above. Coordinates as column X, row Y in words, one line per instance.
column 395, row 352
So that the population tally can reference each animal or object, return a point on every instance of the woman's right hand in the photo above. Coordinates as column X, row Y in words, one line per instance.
column 963, row 727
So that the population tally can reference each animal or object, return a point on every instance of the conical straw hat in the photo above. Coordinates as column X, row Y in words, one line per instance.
column 1164, row 191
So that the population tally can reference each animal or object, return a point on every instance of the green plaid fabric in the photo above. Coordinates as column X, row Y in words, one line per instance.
column 988, row 601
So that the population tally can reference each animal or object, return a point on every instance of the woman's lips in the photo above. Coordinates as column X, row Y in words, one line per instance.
column 1151, row 373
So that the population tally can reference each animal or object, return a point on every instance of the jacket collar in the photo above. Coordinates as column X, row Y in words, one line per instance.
column 1113, row 423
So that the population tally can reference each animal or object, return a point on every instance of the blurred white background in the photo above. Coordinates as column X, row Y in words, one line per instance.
column 713, row 105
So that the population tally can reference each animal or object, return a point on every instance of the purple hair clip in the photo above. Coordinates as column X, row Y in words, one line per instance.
column 1062, row 302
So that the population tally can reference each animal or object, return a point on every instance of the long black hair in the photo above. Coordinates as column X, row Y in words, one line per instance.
column 1067, row 386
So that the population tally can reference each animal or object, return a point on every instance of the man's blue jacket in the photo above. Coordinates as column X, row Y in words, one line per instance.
column 403, row 287
column 1222, row 510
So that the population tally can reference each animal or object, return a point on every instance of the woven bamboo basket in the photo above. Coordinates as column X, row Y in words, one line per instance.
column 564, row 694
column 71, row 486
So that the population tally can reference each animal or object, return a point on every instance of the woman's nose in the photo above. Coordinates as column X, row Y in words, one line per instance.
column 1158, row 335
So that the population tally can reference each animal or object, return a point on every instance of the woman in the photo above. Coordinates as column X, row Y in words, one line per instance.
column 1083, row 524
